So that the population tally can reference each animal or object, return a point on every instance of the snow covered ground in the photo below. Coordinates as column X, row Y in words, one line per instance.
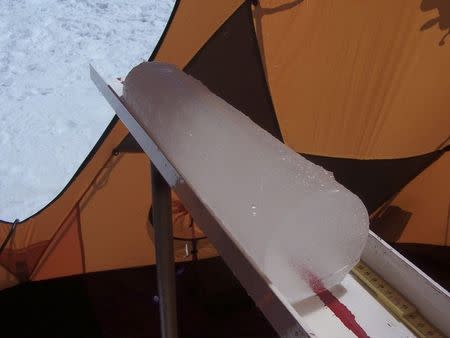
column 51, row 115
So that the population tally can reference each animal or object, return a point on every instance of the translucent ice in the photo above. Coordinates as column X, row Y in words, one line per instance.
column 292, row 219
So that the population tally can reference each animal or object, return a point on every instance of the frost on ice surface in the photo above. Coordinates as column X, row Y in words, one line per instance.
column 297, row 224
column 51, row 115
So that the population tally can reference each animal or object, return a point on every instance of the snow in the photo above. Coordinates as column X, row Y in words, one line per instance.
column 51, row 114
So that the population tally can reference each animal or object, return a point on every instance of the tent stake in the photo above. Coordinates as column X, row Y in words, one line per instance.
column 162, row 222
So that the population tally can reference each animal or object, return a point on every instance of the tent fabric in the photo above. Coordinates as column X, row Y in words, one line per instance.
column 425, row 201
column 21, row 262
column 428, row 196
column 121, row 196
column 195, row 21
column 64, row 255
column 357, row 87
column 367, row 78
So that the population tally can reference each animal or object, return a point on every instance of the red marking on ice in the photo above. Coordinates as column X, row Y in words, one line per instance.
column 340, row 310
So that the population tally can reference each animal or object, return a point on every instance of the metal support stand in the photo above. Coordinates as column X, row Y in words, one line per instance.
column 165, row 264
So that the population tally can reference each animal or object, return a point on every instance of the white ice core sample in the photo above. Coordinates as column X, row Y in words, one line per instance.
column 301, row 228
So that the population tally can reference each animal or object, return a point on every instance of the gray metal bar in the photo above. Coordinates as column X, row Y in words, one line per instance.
column 165, row 264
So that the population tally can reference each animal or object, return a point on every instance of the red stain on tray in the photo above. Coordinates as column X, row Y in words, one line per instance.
column 340, row 310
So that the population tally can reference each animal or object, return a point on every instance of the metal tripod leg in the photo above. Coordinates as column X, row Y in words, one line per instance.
column 165, row 264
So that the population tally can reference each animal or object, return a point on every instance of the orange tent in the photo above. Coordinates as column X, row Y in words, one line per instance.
column 360, row 88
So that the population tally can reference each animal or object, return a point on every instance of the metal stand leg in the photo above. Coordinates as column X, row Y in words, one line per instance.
column 162, row 222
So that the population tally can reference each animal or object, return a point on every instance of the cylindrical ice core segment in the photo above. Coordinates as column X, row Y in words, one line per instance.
column 295, row 222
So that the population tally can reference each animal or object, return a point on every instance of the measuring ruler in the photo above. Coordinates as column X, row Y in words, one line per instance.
column 395, row 302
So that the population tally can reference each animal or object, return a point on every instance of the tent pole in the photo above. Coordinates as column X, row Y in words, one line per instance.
column 165, row 264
